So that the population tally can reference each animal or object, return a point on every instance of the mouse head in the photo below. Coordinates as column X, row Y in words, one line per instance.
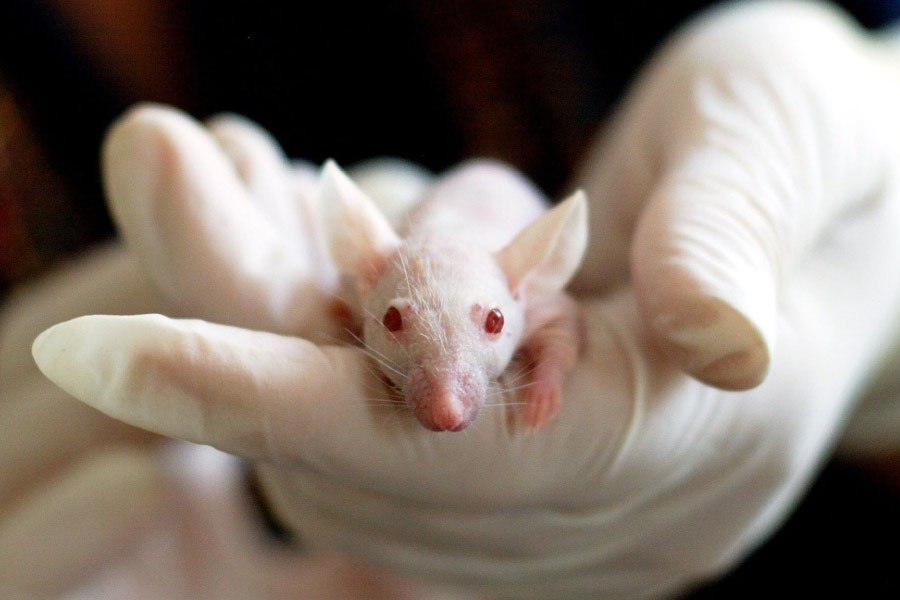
column 443, row 318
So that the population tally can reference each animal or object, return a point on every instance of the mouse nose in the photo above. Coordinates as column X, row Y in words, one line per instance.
column 440, row 405
column 448, row 414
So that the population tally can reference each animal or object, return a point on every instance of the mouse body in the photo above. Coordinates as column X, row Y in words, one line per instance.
column 471, row 277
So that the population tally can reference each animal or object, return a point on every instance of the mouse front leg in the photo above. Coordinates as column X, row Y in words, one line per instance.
column 549, row 351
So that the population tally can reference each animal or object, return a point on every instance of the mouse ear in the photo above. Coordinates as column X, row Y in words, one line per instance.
column 543, row 257
column 357, row 235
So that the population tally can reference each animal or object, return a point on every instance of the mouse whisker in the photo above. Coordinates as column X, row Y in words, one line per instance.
column 365, row 345
column 520, row 387
column 502, row 405
column 511, row 381
column 500, row 400
column 404, row 265
column 515, row 381
column 396, row 420
column 518, row 369
column 384, row 362
column 377, row 320
column 377, row 390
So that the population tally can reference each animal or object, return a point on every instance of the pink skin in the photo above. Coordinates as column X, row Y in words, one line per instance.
column 550, row 349
column 445, row 399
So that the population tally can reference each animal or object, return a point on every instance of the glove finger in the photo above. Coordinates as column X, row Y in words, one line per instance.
column 183, row 209
column 395, row 185
column 99, row 506
column 248, row 393
column 303, row 177
column 263, row 168
column 286, row 191
column 752, row 158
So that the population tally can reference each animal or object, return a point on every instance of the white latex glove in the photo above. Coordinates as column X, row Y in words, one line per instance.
column 747, row 200
column 229, row 235
column 93, row 508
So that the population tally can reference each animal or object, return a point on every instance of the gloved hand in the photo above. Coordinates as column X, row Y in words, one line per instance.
column 93, row 508
column 230, row 232
column 746, row 210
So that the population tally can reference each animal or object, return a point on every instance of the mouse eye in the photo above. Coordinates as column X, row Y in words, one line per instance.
column 392, row 319
column 493, row 323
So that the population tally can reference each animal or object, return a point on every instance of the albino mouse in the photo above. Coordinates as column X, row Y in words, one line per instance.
column 472, row 276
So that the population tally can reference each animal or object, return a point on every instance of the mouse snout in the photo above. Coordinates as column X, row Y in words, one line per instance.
column 443, row 403
column 445, row 414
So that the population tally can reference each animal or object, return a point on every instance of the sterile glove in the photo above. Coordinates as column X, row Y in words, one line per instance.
column 243, row 248
column 745, row 202
column 93, row 508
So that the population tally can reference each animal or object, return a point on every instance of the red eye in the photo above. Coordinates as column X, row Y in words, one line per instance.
column 494, row 321
column 392, row 319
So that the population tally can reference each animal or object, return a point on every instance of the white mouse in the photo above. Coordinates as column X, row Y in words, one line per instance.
column 473, row 276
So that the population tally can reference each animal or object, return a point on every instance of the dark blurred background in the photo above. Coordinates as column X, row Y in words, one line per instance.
column 527, row 81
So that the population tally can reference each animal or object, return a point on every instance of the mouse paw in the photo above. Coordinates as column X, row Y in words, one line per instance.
column 543, row 397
